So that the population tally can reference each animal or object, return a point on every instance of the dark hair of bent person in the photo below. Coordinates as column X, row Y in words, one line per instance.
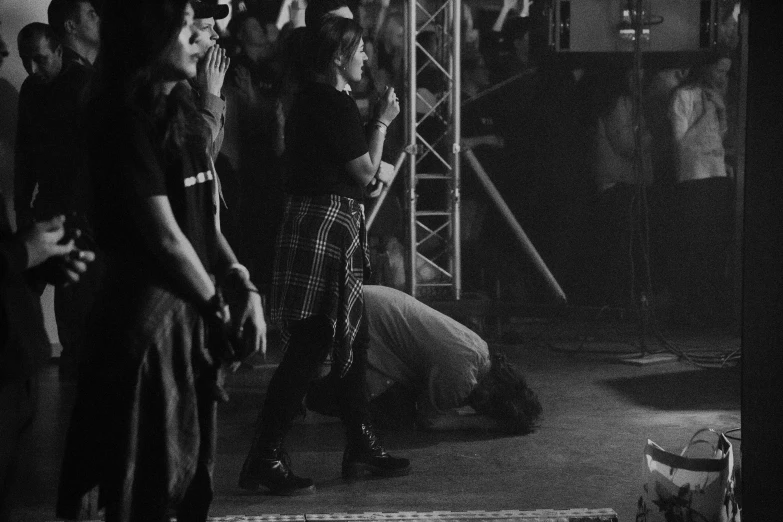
column 337, row 37
column 504, row 396
column 38, row 30
column 134, row 36
column 318, row 9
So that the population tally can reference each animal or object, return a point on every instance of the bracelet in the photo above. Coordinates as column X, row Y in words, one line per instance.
column 376, row 120
column 253, row 290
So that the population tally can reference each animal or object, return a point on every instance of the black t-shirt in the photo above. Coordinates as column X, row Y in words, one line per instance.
column 323, row 133
column 131, row 168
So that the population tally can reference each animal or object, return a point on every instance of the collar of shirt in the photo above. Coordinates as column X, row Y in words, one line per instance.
column 347, row 89
column 72, row 56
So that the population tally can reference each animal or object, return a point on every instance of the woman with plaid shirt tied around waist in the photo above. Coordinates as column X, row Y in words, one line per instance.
column 321, row 262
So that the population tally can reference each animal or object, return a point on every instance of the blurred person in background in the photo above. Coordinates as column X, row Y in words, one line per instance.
column 44, row 252
column 51, row 167
column 703, row 194
column 9, row 100
column 254, row 134
column 77, row 25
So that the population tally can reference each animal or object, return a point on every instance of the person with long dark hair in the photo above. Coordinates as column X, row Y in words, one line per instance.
column 143, row 429
column 320, row 264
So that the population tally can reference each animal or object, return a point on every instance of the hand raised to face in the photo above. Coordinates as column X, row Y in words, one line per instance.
column 212, row 70
column 388, row 106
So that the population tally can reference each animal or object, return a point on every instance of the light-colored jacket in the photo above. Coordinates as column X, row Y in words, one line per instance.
column 698, row 117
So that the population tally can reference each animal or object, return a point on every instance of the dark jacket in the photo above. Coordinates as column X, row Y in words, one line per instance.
column 24, row 345
column 49, row 141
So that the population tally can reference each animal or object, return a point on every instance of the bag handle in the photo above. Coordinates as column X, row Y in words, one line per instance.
column 700, row 441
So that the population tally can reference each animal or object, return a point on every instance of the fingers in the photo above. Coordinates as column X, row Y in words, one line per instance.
column 83, row 256
column 261, row 338
column 71, row 276
column 73, row 266
column 87, row 255
column 63, row 250
column 224, row 60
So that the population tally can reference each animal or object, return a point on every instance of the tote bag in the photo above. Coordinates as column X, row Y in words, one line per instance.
column 685, row 488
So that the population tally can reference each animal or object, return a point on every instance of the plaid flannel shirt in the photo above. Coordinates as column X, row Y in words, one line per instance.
column 321, row 261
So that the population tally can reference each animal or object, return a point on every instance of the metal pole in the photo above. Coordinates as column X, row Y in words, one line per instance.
column 456, row 113
column 742, row 119
column 524, row 241
column 411, row 135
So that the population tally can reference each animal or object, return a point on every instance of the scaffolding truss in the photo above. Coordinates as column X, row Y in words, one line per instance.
column 433, row 135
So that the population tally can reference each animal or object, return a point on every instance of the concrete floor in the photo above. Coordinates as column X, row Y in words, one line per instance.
column 587, row 452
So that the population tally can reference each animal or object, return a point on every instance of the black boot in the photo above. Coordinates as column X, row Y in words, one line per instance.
column 364, row 456
column 271, row 467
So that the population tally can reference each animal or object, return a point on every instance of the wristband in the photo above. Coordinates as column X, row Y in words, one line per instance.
column 379, row 121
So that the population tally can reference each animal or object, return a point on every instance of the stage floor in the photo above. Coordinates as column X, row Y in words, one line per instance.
column 599, row 412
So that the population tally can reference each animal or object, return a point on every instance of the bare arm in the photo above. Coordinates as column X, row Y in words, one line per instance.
column 173, row 250
column 364, row 168
column 508, row 5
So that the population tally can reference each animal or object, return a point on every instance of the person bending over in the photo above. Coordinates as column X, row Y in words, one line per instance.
column 321, row 262
column 143, row 429
column 426, row 368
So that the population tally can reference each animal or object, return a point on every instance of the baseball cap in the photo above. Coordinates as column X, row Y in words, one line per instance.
column 209, row 9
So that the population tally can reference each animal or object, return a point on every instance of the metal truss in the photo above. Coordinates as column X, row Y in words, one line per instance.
column 433, row 137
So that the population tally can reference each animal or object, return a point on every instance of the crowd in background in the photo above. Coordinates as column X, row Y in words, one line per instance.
column 538, row 118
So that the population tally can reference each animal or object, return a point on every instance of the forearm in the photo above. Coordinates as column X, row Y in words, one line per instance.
column 179, row 259
column 213, row 109
column 172, row 249
column 375, row 140
column 225, row 256
column 501, row 20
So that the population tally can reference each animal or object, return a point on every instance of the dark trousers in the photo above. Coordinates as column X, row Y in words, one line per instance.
column 615, row 261
column 73, row 305
column 18, row 401
column 700, row 239
column 310, row 344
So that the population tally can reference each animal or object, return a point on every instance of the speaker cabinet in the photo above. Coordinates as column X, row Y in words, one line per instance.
column 604, row 26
